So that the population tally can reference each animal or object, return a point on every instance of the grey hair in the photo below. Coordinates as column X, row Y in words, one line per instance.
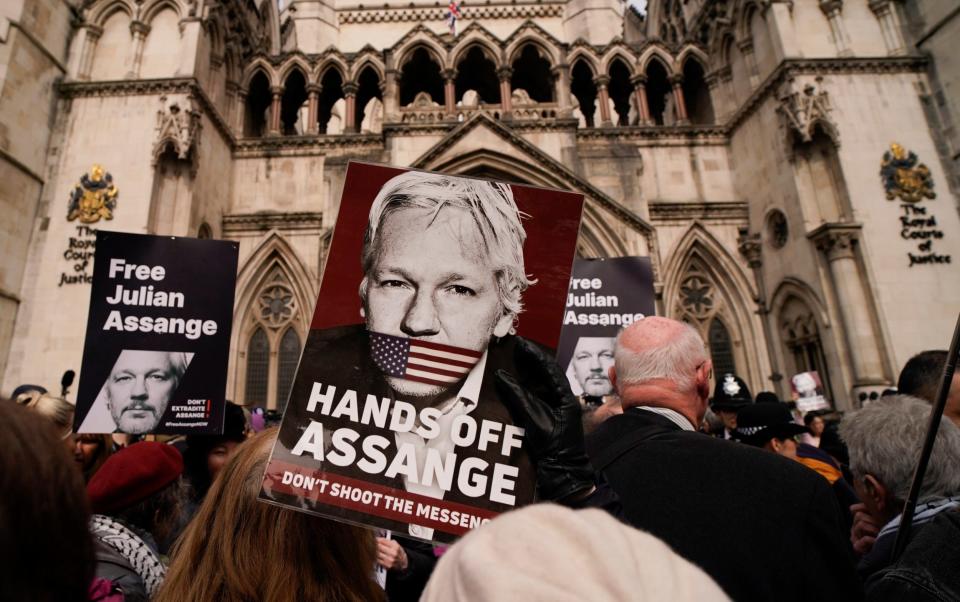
column 884, row 440
column 57, row 410
column 491, row 206
column 676, row 360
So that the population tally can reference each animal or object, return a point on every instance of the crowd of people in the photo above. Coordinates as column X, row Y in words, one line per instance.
column 678, row 491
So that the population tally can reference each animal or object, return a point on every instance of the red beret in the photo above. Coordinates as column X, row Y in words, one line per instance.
column 133, row 474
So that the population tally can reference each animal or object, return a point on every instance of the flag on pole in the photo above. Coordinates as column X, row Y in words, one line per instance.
column 453, row 13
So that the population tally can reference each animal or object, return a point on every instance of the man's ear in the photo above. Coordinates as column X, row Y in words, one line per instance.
column 703, row 379
column 877, row 492
column 504, row 324
column 612, row 375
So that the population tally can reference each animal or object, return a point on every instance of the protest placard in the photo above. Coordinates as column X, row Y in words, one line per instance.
column 393, row 419
column 158, row 335
column 807, row 391
column 605, row 296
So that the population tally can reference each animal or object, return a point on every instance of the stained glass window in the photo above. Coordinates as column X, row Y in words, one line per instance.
column 721, row 349
column 287, row 365
column 258, row 367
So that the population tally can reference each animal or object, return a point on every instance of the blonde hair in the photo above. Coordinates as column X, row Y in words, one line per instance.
column 238, row 548
column 57, row 410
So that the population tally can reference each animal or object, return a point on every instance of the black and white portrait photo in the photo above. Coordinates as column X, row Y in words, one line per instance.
column 137, row 392
column 590, row 366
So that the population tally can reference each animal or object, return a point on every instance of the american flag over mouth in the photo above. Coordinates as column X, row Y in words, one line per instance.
column 421, row 361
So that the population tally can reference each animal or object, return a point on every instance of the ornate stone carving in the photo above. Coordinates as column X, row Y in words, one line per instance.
column 903, row 177
column 836, row 241
column 178, row 127
column 750, row 247
column 803, row 110
column 696, row 295
column 277, row 303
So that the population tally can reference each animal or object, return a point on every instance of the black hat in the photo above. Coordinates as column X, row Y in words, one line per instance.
column 26, row 389
column 730, row 394
column 767, row 397
column 758, row 423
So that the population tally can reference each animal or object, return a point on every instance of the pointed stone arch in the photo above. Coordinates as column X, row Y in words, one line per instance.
column 477, row 36
column 368, row 57
column 333, row 60
column 588, row 56
column 295, row 62
column 614, row 52
column 652, row 53
column 150, row 9
column 801, row 329
column 704, row 282
column 272, row 278
column 100, row 15
column 691, row 51
column 421, row 37
column 259, row 64
column 512, row 52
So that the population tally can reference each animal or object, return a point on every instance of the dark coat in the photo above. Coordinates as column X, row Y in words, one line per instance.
column 341, row 357
column 927, row 570
column 764, row 527
column 408, row 585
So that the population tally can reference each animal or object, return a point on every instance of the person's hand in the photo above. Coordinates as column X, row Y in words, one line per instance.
column 863, row 532
column 550, row 414
column 391, row 555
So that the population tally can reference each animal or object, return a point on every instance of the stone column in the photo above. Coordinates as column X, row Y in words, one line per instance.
column 751, row 248
column 832, row 10
column 750, row 60
column 230, row 91
column 676, row 80
column 273, row 128
column 723, row 101
column 838, row 242
column 640, row 92
column 506, row 94
column 313, row 108
column 603, row 98
column 449, row 92
column 886, row 13
column 88, row 47
column 240, row 112
column 713, row 89
column 561, row 83
column 350, row 108
column 391, row 96
column 139, row 30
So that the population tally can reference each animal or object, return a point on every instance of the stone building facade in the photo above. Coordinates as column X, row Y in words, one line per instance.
column 737, row 143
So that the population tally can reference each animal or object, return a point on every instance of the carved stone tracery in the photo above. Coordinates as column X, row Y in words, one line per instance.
column 802, row 110
column 277, row 305
column 178, row 127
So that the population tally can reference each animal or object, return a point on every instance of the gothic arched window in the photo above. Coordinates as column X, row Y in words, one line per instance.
column 721, row 348
column 287, row 365
column 273, row 350
column 258, row 367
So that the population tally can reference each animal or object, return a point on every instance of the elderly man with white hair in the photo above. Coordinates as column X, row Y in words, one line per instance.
column 763, row 527
column 884, row 441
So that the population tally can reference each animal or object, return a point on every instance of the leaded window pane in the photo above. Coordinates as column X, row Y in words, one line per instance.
column 287, row 365
column 258, row 368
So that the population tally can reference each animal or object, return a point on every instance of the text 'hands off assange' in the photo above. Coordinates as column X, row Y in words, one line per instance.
column 475, row 477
